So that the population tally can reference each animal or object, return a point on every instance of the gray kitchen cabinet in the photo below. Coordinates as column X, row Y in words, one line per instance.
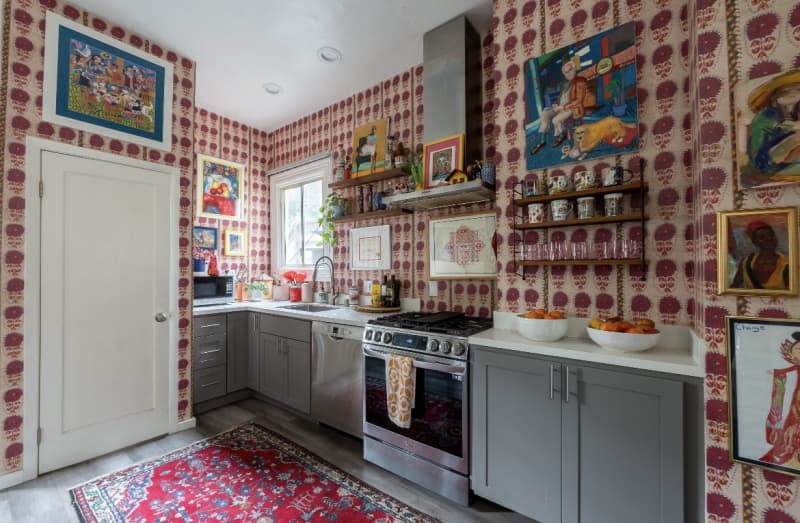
column 271, row 367
column 298, row 374
column 253, row 351
column 237, row 351
column 513, row 413
column 284, row 361
column 573, row 457
column 209, row 357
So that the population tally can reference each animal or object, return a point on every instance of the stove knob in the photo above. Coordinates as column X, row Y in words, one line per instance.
column 434, row 346
column 368, row 335
column 459, row 349
column 376, row 336
column 446, row 346
column 387, row 337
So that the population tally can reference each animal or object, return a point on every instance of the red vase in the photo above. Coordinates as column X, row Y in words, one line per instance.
column 213, row 270
column 295, row 294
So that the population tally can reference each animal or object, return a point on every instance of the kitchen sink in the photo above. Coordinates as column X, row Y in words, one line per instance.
column 308, row 307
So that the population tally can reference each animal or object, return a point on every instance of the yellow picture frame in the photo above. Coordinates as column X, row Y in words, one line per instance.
column 369, row 148
column 234, row 242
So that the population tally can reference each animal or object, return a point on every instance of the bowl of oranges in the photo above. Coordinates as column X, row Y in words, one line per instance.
column 541, row 325
column 622, row 335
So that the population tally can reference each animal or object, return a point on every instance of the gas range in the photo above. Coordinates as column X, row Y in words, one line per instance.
column 442, row 334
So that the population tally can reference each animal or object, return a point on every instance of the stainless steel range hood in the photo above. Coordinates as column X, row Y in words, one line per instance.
column 452, row 85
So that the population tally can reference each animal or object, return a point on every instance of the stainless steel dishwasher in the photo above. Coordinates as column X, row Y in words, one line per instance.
column 337, row 376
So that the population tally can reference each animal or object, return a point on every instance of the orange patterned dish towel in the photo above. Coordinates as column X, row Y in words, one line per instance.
column 401, row 383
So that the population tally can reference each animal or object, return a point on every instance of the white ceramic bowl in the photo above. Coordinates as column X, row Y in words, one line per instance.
column 542, row 330
column 622, row 341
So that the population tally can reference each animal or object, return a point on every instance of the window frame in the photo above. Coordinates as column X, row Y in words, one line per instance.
column 278, row 182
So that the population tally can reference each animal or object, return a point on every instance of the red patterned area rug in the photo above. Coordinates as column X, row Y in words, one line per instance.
column 248, row 474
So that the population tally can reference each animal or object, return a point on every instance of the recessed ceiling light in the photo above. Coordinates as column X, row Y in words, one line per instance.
column 272, row 88
column 329, row 55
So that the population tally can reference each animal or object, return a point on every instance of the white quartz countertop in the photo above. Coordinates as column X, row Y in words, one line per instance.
column 675, row 353
column 342, row 314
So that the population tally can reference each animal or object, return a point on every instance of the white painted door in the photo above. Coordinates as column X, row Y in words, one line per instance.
column 105, row 276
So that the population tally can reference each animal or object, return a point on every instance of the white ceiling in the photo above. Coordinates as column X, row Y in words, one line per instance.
column 241, row 44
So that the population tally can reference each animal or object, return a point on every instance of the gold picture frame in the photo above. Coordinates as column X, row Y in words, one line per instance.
column 757, row 252
column 462, row 246
column 234, row 242
column 440, row 158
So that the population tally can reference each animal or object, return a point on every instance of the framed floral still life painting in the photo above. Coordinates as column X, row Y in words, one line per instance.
column 764, row 390
column 462, row 247
column 98, row 84
column 205, row 238
column 234, row 242
column 219, row 188
column 441, row 157
column 757, row 252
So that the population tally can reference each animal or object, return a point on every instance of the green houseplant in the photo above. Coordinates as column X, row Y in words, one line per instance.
column 255, row 291
column 333, row 207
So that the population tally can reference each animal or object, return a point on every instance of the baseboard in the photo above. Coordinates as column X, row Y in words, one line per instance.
column 233, row 397
column 185, row 425
column 14, row 479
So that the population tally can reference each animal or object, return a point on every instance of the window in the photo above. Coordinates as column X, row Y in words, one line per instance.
column 297, row 195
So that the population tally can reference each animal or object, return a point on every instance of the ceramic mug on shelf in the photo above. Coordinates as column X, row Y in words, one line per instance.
column 585, row 207
column 585, row 180
column 616, row 175
column 536, row 212
column 560, row 209
column 613, row 204
column 559, row 183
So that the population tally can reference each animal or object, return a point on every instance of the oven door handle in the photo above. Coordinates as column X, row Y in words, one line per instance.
column 422, row 364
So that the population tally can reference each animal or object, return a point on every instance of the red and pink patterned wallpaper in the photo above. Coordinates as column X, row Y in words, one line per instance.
column 219, row 136
column 21, row 89
column 735, row 41
column 398, row 99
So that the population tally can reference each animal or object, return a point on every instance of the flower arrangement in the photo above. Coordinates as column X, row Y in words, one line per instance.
column 294, row 278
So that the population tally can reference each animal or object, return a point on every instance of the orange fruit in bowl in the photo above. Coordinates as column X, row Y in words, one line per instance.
column 530, row 314
column 555, row 315
column 634, row 330
column 650, row 330
column 609, row 326
column 596, row 323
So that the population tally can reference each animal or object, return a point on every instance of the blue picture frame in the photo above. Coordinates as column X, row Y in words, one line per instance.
column 205, row 238
column 98, row 84
column 581, row 100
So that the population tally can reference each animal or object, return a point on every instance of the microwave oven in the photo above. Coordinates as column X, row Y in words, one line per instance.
column 213, row 290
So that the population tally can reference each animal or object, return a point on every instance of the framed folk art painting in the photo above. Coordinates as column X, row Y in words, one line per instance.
column 95, row 83
column 219, row 188
column 369, row 148
column 205, row 238
column 441, row 157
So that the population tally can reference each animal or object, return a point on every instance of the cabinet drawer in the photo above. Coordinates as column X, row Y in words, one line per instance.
column 211, row 324
column 208, row 383
column 285, row 327
column 209, row 351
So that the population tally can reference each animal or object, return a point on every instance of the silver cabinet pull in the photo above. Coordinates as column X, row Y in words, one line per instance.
column 566, row 387
column 161, row 317
column 212, row 351
column 551, row 380
column 210, row 384
column 210, row 325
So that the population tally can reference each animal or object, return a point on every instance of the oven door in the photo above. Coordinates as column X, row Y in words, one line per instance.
column 439, row 428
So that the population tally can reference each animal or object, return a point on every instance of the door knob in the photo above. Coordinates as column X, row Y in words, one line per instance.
column 161, row 317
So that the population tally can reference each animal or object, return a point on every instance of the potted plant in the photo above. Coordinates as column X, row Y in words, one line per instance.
column 334, row 206
column 414, row 170
column 255, row 291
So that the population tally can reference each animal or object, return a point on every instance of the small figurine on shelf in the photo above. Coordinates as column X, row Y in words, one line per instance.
column 340, row 164
column 348, row 168
column 213, row 270
column 388, row 162
column 400, row 156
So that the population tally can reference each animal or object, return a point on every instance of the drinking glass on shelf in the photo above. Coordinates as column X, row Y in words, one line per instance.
column 580, row 250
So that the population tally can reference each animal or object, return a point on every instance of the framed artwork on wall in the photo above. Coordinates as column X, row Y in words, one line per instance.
column 768, row 130
column 757, row 252
column 461, row 247
column 370, row 248
column 205, row 238
column 581, row 101
column 219, row 188
column 95, row 83
column 764, row 384
column 234, row 242
column 441, row 157
column 369, row 148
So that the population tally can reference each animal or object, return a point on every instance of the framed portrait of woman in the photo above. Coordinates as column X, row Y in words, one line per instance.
column 764, row 392
column 757, row 252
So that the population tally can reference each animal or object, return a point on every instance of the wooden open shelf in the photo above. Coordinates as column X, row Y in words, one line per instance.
column 549, row 263
column 625, row 188
column 388, row 213
column 586, row 221
column 370, row 178
column 474, row 191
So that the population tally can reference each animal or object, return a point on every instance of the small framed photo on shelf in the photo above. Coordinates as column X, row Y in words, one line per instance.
column 461, row 247
column 763, row 387
column 234, row 242
column 441, row 157
column 371, row 248
column 205, row 238
column 757, row 252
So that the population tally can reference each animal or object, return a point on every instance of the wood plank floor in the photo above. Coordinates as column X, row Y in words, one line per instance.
column 46, row 498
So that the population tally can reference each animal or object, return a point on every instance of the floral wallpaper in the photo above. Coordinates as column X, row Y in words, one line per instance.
column 21, row 115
